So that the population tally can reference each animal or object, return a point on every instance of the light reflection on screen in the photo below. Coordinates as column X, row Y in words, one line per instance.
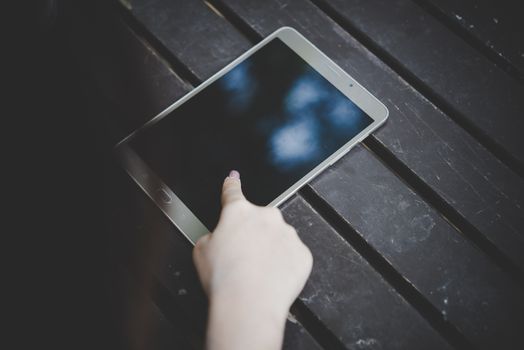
column 272, row 117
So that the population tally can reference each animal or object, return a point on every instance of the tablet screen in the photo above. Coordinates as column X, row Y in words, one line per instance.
column 273, row 118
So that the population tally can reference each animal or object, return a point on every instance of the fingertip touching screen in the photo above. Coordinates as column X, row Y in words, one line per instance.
column 273, row 118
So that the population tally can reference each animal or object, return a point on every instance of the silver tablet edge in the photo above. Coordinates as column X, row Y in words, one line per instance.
column 170, row 204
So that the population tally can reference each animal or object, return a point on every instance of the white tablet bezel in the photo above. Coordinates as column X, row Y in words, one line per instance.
column 177, row 212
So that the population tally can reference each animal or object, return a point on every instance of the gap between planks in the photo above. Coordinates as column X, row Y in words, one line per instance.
column 502, row 154
column 159, row 50
column 409, row 177
column 406, row 290
column 448, row 213
column 471, row 40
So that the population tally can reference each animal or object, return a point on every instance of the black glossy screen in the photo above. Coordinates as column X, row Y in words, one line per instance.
column 272, row 117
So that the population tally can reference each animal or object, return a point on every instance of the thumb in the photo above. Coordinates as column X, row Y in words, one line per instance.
column 232, row 190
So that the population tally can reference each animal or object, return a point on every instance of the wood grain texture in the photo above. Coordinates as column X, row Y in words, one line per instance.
column 349, row 296
column 459, row 171
column 204, row 50
column 396, row 217
column 497, row 25
column 469, row 291
column 447, row 67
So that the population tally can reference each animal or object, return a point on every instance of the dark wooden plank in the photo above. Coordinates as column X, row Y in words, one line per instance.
column 421, row 331
column 483, row 197
column 485, row 99
column 354, row 301
column 485, row 194
column 166, row 18
column 472, row 293
column 496, row 25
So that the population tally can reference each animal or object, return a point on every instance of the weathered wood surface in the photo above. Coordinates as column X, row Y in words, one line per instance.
column 497, row 25
column 470, row 292
column 448, row 70
column 464, row 174
column 418, row 215
column 351, row 298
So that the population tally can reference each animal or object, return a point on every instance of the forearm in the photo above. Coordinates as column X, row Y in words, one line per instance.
column 237, row 323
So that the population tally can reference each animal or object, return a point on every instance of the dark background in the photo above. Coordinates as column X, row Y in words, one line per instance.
column 66, row 292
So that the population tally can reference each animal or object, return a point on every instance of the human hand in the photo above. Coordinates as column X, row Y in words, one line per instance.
column 253, row 261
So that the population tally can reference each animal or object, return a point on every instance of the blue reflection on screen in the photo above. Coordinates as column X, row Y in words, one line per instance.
column 294, row 143
column 240, row 86
column 310, row 106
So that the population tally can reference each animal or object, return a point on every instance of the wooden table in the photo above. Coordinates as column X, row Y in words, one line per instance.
column 418, row 233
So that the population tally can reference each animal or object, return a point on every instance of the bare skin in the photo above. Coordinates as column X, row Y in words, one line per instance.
column 252, row 267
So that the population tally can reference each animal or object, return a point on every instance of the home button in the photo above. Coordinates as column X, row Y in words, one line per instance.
column 163, row 196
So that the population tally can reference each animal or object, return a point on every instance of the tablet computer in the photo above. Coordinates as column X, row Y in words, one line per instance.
column 279, row 114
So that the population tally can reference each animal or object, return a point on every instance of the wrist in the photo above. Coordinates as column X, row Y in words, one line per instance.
column 269, row 302
column 237, row 321
column 264, row 306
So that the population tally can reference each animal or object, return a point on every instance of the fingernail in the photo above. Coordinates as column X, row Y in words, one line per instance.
column 234, row 174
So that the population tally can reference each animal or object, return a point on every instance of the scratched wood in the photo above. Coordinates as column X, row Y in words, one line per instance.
column 470, row 84
column 496, row 24
column 354, row 301
column 172, row 17
column 471, row 293
column 464, row 174
column 396, row 216
column 471, row 182
column 148, row 243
